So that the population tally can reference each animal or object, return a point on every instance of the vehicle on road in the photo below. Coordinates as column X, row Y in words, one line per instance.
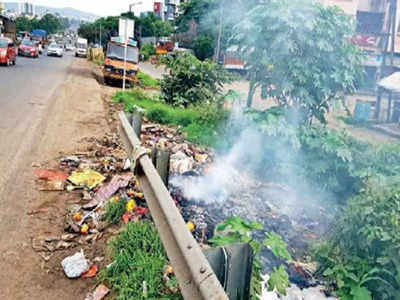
column 28, row 48
column 81, row 48
column 69, row 47
column 113, row 69
column 8, row 53
column 55, row 50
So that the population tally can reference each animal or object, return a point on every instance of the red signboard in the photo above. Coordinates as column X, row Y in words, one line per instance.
column 157, row 8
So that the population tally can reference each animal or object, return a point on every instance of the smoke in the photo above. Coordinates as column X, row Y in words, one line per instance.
column 264, row 168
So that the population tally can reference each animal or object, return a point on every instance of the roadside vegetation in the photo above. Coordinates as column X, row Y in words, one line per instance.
column 200, row 123
column 147, row 51
column 360, row 257
column 138, row 263
column 147, row 81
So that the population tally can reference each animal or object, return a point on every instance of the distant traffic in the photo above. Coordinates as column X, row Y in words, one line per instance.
column 37, row 42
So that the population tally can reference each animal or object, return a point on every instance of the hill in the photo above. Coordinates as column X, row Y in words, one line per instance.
column 68, row 12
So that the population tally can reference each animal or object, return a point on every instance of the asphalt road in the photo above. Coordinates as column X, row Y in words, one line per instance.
column 25, row 93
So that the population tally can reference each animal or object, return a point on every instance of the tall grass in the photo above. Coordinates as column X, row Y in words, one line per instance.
column 200, row 123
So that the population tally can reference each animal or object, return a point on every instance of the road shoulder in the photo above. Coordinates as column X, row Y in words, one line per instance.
column 76, row 112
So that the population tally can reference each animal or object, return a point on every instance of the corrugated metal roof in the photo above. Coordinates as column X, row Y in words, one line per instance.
column 391, row 83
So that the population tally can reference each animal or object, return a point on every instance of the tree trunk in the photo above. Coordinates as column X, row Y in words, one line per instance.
column 250, row 96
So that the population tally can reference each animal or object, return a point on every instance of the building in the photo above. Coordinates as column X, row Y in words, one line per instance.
column 27, row 9
column 377, row 34
column 2, row 7
column 165, row 9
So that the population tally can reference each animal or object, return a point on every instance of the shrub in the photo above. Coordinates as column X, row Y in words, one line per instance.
column 362, row 257
column 191, row 81
column 147, row 51
column 203, row 47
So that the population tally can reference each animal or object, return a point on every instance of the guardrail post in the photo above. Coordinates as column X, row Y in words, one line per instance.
column 233, row 267
column 161, row 159
column 137, row 124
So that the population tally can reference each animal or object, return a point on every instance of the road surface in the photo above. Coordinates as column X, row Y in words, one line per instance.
column 25, row 91
column 48, row 106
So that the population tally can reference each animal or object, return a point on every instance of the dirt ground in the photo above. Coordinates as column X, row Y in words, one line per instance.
column 76, row 112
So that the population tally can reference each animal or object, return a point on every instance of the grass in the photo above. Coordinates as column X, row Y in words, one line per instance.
column 138, row 263
column 148, row 81
column 114, row 211
column 201, row 124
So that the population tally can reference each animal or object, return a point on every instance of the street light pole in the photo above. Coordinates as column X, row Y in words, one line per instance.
column 126, row 43
column 101, row 46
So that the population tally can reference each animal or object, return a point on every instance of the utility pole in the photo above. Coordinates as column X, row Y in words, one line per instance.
column 386, row 35
column 101, row 46
column 218, row 51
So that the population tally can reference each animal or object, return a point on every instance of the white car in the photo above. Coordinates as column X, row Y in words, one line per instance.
column 55, row 50
column 70, row 47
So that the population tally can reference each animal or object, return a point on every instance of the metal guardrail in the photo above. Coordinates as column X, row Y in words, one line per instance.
column 196, row 278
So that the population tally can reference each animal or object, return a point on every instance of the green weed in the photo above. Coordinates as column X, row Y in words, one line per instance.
column 114, row 211
column 148, row 81
column 138, row 262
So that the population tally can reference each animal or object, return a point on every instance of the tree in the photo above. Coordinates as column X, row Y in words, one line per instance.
column 23, row 24
column 300, row 54
column 161, row 28
column 50, row 23
column 209, row 16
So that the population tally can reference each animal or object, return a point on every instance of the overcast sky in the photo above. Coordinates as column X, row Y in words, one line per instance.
column 99, row 7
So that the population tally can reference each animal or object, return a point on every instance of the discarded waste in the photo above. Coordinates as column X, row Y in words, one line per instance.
column 99, row 293
column 190, row 226
column 105, row 192
column 130, row 206
column 92, row 272
column 84, row 229
column 86, row 178
column 75, row 265
column 50, row 174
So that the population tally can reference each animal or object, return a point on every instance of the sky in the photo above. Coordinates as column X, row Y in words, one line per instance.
column 98, row 7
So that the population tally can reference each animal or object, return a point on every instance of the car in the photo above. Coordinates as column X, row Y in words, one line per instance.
column 8, row 53
column 28, row 48
column 69, row 47
column 55, row 50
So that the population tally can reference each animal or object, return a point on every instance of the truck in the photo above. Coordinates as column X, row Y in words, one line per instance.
column 81, row 47
column 8, row 28
column 38, row 35
column 113, row 69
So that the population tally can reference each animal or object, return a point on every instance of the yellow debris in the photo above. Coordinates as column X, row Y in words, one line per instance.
column 130, row 206
column 191, row 226
column 86, row 178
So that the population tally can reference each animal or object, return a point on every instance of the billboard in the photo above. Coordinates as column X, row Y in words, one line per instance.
column 126, row 29
column 158, row 8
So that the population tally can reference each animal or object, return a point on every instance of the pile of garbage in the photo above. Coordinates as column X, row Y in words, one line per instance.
column 102, row 175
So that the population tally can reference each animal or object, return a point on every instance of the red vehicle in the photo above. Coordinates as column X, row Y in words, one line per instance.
column 8, row 53
column 28, row 48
